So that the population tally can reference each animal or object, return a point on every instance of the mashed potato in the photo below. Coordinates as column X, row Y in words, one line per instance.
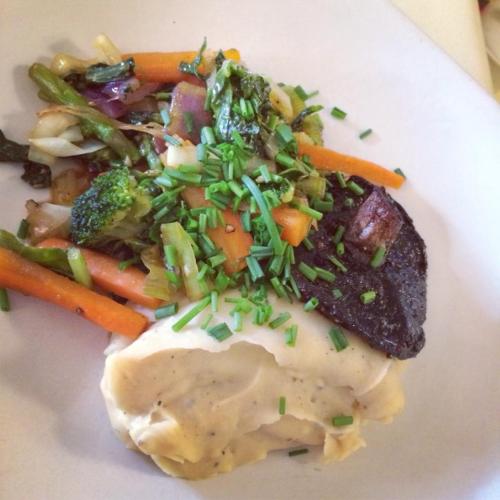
column 199, row 407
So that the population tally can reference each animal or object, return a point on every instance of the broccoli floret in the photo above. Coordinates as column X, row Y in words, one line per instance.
column 112, row 209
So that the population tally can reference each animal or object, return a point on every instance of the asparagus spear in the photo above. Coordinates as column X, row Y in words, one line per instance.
column 56, row 90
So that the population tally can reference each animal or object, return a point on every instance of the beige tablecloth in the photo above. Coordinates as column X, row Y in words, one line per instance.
column 456, row 27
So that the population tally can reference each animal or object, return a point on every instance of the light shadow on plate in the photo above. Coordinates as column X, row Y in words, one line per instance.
column 58, row 362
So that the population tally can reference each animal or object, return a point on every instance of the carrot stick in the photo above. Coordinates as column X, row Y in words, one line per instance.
column 164, row 66
column 295, row 224
column 195, row 197
column 326, row 159
column 29, row 278
column 128, row 283
column 230, row 238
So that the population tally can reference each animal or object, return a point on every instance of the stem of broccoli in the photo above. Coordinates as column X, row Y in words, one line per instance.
column 58, row 91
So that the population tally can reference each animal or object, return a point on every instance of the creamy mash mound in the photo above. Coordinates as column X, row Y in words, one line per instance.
column 199, row 407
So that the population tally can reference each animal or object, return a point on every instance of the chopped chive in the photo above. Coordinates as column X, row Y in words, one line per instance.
column 201, row 152
column 368, row 297
column 191, row 226
column 212, row 217
column 79, row 267
column 349, row 202
column 339, row 233
column 202, row 223
column 264, row 171
column 188, row 121
column 308, row 271
column 278, row 287
column 291, row 336
column 311, row 304
column 207, row 136
column 285, row 160
column 338, row 338
column 206, row 321
column 340, row 248
column 281, row 319
column 222, row 281
column 341, row 179
column 337, row 263
column 245, row 221
column 23, row 228
column 165, row 311
column 207, row 245
column 191, row 314
column 276, row 265
column 284, row 133
column 238, row 140
column 399, row 172
column 338, row 113
column 365, row 133
column 261, row 252
column 208, row 99
column 125, row 264
column 202, row 272
column 254, row 268
column 173, row 277
column 235, row 188
column 355, row 188
column 237, row 321
column 323, row 205
column 214, row 301
column 4, row 300
column 337, row 293
column 341, row 420
column 253, row 206
column 301, row 92
column 187, row 178
column 171, row 258
column 219, row 332
column 309, row 211
column 325, row 275
column 196, row 212
column 165, row 116
column 299, row 451
column 217, row 260
column 272, row 121
column 378, row 257
column 282, row 405
column 188, row 169
column 307, row 243
column 171, row 140
column 294, row 287
column 272, row 228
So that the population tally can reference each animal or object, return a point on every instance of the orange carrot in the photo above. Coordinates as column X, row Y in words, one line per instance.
column 295, row 224
column 326, row 159
column 230, row 238
column 29, row 278
column 195, row 197
column 128, row 283
column 164, row 66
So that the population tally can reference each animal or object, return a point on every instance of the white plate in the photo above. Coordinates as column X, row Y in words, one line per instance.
column 429, row 118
